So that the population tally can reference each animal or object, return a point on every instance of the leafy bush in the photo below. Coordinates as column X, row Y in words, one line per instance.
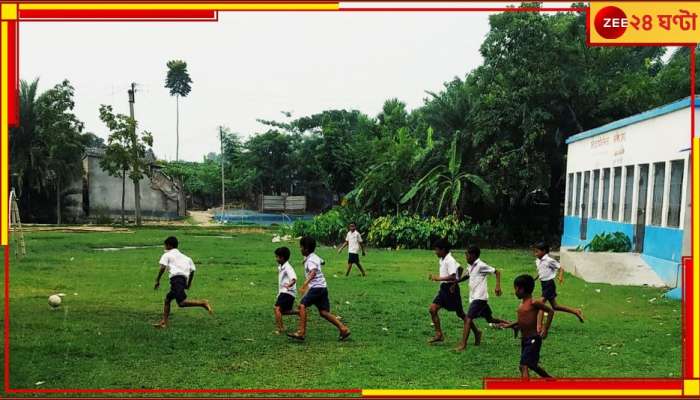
column 330, row 227
column 101, row 216
column 412, row 231
column 402, row 231
column 616, row 242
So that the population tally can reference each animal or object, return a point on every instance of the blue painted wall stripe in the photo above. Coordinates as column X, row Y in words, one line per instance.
column 662, row 246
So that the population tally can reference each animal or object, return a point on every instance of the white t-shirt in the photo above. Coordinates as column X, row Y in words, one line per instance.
column 354, row 239
column 286, row 275
column 547, row 267
column 177, row 263
column 312, row 262
column 448, row 266
column 478, row 283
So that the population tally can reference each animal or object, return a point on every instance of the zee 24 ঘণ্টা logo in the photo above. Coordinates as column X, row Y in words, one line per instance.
column 611, row 22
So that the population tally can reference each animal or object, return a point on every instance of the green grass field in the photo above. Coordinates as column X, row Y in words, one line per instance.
column 101, row 337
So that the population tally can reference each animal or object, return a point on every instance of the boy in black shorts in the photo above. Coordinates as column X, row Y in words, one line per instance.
column 353, row 240
column 477, row 273
column 181, row 272
column 531, row 341
column 448, row 296
column 317, row 293
column 287, row 288
column 548, row 269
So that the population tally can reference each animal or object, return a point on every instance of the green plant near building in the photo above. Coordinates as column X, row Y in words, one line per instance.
column 616, row 242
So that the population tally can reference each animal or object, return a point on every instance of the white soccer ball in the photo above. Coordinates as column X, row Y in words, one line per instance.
column 54, row 300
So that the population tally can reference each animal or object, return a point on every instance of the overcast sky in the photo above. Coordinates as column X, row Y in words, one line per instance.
column 251, row 65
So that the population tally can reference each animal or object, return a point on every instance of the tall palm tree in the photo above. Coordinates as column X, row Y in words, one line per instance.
column 178, row 81
column 447, row 181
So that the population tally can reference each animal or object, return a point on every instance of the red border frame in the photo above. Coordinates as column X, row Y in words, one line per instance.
column 212, row 15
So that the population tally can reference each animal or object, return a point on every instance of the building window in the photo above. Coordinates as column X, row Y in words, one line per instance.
column 675, row 194
column 606, row 193
column 642, row 194
column 569, row 209
column 617, row 185
column 657, row 201
column 596, row 187
column 629, row 188
column 586, row 192
column 578, row 194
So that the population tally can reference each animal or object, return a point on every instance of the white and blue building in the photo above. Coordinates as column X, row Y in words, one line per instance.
column 633, row 176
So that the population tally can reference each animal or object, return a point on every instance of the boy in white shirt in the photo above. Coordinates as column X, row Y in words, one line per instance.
column 448, row 296
column 287, row 288
column 547, row 268
column 477, row 273
column 317, row 294
column 354, row 242
column 181, row 273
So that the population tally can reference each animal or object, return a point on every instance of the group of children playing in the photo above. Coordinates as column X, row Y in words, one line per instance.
column 530, row 313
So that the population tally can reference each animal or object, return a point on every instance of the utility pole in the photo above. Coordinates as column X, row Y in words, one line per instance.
column 137, row 186
column 223, row 196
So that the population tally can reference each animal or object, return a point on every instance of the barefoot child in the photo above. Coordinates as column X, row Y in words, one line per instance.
column 531, row 341
column 317, row 294
column 181, row 273
column 448, row 296
column 547, row 268
column 354, row 242
column 287, row 288
column 477, row 273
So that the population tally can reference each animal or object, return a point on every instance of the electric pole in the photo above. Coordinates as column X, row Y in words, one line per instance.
column 137, row 186
column 223, row 196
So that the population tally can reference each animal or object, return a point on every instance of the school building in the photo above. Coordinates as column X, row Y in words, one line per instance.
column 632, row 176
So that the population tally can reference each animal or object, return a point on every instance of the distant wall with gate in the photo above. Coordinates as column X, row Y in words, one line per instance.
column 282, row 203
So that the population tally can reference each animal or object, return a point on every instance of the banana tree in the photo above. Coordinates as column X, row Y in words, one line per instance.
column 448, row 182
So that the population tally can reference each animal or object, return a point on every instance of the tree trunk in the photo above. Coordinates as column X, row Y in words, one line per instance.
column 137, row 201
column 58, row 202
column 123, row 193
column 177, row 128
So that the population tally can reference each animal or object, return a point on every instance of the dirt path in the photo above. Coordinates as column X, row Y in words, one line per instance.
column 202, row 218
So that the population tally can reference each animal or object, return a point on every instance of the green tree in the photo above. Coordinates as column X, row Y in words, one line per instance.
column 46, row 150
column 268, row 158
column 63, row 144
column 523, row 109
column 383, row 183
column 450, row 184
column 178, row 81
column 25, row 146
column 129, row 146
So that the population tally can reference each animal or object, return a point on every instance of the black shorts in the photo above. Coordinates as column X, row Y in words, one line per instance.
column 353, row 258
column 178, row 284
column 317, row 297
column 530, row 350
column 549, row 289
column 479, row 309
column 285, row 302
column 449, row 298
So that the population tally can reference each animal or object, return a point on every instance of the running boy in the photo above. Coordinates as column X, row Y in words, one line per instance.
column 531, row 340
column 547, row 268
column 448, row 296
column 477, row 273
column 354, row 242
column 181, row 273
column 287, row 288
column 317, row 294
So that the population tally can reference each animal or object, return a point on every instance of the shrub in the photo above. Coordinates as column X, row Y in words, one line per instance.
column 616, row 242
column 412, row 231
column 330, row 227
